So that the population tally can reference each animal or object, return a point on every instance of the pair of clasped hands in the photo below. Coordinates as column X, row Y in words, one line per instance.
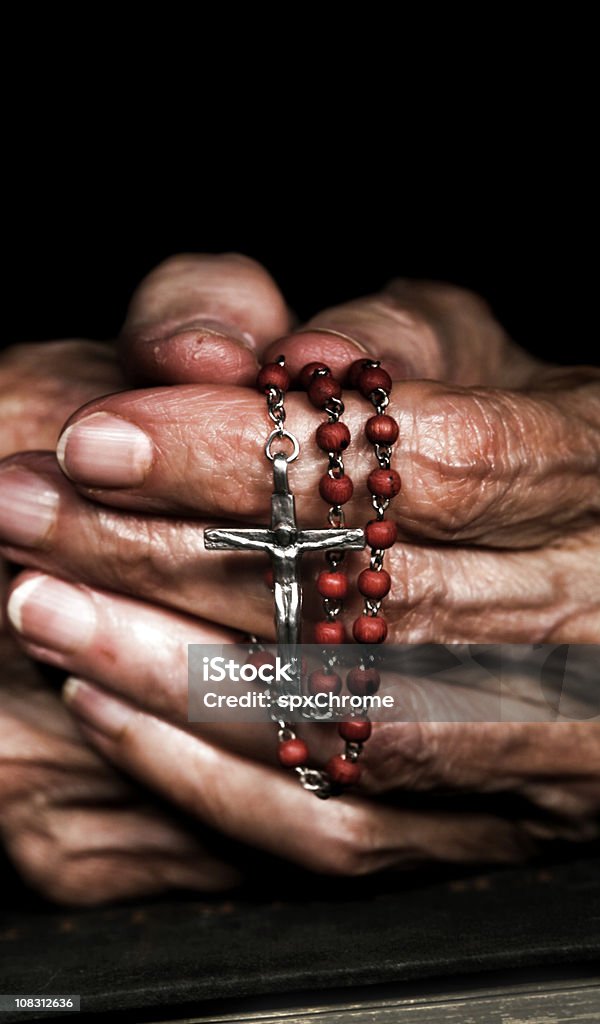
column 110, row 793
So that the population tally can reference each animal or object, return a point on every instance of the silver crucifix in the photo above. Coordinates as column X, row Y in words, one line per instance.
column 285, row 544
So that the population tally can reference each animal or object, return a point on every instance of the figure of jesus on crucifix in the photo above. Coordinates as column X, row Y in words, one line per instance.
column 285, row 544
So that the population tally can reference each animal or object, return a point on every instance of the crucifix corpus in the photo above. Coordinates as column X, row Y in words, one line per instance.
column 285, row 544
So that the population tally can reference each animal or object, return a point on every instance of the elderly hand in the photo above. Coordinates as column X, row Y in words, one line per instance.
column 500, row 455
column 75, row 828
column 499, row 537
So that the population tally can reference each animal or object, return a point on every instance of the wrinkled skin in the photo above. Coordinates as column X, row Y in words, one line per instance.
column 77, row 830
column 500, row 541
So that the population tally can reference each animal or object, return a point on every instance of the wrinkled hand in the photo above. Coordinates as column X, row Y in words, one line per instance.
column 227, row 777
column 500, row 507
column 75, row 828
column 77, row 831
column 499, row 532
column 41, row 384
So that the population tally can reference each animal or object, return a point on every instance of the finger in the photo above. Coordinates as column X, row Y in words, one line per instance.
column 51, row 527
column 439, row 594
column 87, row 855
column 485, row 757
column 139, row 648
column 202, row 318
column 264, row 807
column 478, row 464
column 556, row 767
column 417, row 329
column 41, row 750
column 76, row 829
column 140, row 652
column 135, row 648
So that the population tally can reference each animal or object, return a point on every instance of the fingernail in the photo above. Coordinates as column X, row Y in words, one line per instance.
column 28, row 506
column 52, row 613
column 217, row 327
column 177, row 333
column 106, row 713
column 103, row 450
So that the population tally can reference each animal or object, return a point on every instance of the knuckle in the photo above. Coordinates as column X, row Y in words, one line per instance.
column 41, row 384
column 408, row 755
column 462, row 465
column 418, row 607
column 41, row 861
column 349, row 851
column 64, row 880
column 142, row 558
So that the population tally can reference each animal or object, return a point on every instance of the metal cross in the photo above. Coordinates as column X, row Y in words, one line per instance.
column 285, row 544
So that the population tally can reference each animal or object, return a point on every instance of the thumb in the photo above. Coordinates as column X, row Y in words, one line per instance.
column 202, row 319
column 418, row 329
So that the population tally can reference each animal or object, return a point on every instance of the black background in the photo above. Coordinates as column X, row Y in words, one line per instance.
column 340, row 152
column 520, row 235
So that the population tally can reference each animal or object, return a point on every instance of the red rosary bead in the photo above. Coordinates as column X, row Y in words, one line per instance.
column 374, row 585
column 345, row 773
column 373, row 378
column 333, row 437
column 381, row 533
column 324, row 682
column 382, row 430
column 335, row 490
column 322, row 389
column 355, row 731
column 292, row 753
column 369, row 629
column 268, row 578
column 363, row 682
column 332, row 584
column 273, row 375
column 354, row 371
column 330, row 631
column 385, row 483
column 307, row 373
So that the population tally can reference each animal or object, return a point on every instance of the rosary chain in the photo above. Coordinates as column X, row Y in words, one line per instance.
column 336, row 488
column 382, row 443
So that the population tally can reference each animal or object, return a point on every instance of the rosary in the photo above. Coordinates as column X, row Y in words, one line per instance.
column 285, row 544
